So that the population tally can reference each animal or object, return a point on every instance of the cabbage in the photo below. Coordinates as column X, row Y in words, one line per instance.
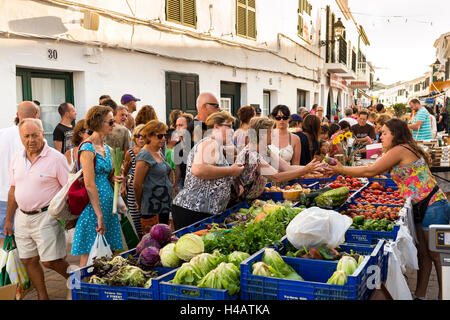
column 131, row 276
column 147, row 241
column 118, row 261
column 186, row 275
column 97, row 280
column 347, row 264
column 273, row 259
column 148, row 284
column 237, row 257
column 205, row 262
column 169, row 258
column 161, row 233
column 338, row 277
column 188, row 246
column 149, row 257
column 262, row 269
column 225, row 276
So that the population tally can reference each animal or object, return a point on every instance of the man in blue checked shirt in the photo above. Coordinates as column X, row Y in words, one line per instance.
column 421, row 128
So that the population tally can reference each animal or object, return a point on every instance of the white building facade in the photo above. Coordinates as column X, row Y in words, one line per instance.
column 165, row 52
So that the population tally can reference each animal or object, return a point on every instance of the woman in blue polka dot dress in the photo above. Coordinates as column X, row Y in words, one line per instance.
column 97, row 217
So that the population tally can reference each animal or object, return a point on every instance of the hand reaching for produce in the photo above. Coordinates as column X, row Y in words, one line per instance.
column 336, row 168
column 315, row 166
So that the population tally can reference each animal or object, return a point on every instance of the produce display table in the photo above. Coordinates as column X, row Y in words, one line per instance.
column 370, row 243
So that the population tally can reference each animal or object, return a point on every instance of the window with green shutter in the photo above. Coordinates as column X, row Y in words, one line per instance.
column 182, row 11
column 246, row 18
column 304, row 8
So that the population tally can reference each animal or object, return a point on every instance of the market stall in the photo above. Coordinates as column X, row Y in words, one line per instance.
column 264, row 250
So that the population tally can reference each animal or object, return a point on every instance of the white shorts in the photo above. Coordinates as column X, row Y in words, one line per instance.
column 39, row 235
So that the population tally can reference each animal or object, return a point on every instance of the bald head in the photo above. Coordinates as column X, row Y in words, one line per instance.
column 27, row 109
column 207, row 104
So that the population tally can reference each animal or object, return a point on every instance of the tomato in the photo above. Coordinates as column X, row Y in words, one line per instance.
column 389, row 190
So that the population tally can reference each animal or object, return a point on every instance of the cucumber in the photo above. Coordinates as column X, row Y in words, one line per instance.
column 317, row 193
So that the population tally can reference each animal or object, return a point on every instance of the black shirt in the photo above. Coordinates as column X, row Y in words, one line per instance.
column 306, row 154
column 64, row 134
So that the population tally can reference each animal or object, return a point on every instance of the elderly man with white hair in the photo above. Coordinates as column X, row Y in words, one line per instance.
column 36, row 176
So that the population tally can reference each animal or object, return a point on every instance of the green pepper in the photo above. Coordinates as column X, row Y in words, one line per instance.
column 359, row 220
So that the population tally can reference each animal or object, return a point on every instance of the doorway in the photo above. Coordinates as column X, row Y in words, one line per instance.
column 50, row 89
column 182, row 90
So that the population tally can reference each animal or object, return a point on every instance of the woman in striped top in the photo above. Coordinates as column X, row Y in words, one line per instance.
column 129, row 166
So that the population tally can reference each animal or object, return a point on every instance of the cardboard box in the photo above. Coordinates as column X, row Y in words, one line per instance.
column 8, row 292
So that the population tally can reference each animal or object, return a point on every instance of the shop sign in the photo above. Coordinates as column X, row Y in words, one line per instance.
column 338, row 82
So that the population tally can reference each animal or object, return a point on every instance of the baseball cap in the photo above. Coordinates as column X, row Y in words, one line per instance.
column 336, row 118
column 127, row 98
column 296, row 117
column 257, row 109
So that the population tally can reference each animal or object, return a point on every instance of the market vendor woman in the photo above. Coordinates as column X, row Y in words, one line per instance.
column 409, row 166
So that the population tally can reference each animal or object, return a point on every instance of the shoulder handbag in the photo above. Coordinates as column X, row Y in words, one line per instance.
column 59, row 208
column 77, row 196
column 420, row 208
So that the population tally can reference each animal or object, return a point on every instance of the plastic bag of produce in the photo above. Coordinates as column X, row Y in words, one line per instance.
column 100, row 249
column 396, row 283
column 315, row 226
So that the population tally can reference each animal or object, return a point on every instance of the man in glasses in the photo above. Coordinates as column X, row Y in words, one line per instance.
column 207, row 104
column 120, row 137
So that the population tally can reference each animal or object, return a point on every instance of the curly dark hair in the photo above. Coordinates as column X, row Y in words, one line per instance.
column 246, row 113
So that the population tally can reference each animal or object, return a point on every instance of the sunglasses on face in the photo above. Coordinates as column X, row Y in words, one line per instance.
column 89, row 132
column 282, row 118
column 229, row 125
column 137, row 136
column 319, row 110
column 216, row 105
column 110, row 122
column 161, row 135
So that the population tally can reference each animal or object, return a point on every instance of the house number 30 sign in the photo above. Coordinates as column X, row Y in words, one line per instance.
column 52, row 54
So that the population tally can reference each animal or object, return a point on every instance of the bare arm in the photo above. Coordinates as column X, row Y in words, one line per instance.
column 57, row 145
column 415, row 126
column 385, row 163
column 11, row 208
column 140, row 172
column 87, row 165
column 205, row 160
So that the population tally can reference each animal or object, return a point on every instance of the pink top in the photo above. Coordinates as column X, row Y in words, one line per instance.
column 37, row 183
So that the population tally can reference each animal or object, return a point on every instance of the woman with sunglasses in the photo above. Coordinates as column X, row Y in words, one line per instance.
column 129, row 166
column 80, row 133
column 98, row 173
column 284, row 143
column 152, row 183
column 209, row 175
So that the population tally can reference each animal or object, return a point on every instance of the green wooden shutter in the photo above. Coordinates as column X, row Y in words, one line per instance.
column 189, row 13
column 173, row 10
column 246, row 18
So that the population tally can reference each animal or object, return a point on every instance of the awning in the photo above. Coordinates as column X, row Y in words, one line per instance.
column 439, row 86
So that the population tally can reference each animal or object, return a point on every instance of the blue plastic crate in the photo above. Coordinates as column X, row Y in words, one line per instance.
column 171, row 291
column 88, row 291
column 370, row 237
column 387, row 183
column 314, row 287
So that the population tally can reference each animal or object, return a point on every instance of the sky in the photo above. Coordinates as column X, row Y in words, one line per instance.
column 401, row 35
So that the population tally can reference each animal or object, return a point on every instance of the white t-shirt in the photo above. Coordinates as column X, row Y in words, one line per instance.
column 350, row 120
column 433, row 126
column 10, row 145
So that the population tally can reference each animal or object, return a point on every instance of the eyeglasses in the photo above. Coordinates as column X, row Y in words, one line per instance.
column 282, row 118
column 216, row 105
column 319, row 110
column 137, row 136
column 89, row 132
column 161, row 135
column 110, row 122
column 229, row 125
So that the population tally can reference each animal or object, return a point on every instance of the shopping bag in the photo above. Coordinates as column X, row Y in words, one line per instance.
column 100, row 249
column 396, row 283
column 59, row 205
column 131, row 238
column 315, row 226
column 13, row 270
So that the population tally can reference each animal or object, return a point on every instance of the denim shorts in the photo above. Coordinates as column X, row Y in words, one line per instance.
column 2, row 217
column 437, row 213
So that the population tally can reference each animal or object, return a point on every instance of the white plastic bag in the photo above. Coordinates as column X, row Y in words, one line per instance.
column 315, row 226
column 396, row 283
column 59, row 205
column 100, row 249
column 405, row 249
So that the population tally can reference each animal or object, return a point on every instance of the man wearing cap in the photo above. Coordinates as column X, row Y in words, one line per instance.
column 257, row 111
column 295, row 124
column 36, row 176
column 129, row 101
